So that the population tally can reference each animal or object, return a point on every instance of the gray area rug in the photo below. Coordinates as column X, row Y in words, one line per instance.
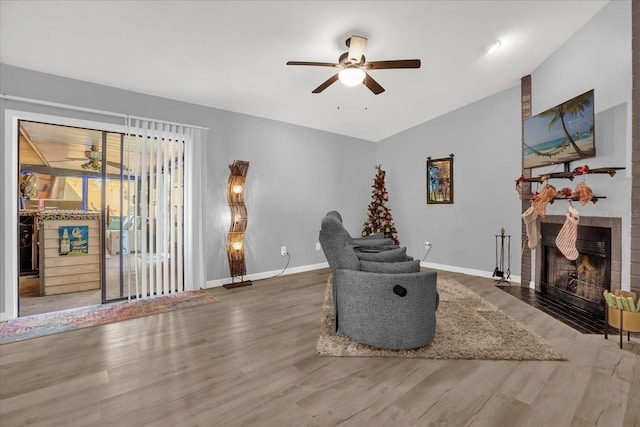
column 467, row 327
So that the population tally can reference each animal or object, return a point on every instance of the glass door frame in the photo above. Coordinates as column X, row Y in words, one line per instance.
column 12, row 120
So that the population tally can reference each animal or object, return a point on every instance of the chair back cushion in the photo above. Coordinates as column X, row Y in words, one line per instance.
column 336, row 245
column 392, row 255
column 335, row 214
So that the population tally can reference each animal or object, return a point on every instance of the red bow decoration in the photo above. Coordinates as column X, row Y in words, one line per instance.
column 566, row 192
column 581, row 170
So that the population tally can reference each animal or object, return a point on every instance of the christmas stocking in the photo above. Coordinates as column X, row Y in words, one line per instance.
column 540, row 201
column 566, row 239
column 530, row 219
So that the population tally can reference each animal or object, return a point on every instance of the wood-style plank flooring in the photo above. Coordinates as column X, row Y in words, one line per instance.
column 250, row 360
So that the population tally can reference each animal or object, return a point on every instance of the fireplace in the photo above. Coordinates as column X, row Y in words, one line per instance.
column 580, row 283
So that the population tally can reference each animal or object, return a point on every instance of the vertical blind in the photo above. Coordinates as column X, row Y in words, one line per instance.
column 155, row 154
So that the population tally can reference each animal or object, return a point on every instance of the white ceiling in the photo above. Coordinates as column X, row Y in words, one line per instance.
column 231, row 54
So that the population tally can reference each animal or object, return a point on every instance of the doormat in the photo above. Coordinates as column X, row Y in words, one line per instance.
column 40, row 325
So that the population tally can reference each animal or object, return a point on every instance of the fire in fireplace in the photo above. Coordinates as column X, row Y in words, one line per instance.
column 580, row 282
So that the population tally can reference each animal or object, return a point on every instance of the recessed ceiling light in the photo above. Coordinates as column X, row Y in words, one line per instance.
column 492, row 47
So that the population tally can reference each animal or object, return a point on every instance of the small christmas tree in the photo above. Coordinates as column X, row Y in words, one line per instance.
column 379, row 216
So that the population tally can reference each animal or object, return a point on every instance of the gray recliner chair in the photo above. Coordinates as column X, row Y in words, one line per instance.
column 381, row 299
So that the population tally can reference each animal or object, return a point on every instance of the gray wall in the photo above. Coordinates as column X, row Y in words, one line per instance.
column 296, row 174
column 484, row 138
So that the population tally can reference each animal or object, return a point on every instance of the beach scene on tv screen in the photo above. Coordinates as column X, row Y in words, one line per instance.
column 564, row 133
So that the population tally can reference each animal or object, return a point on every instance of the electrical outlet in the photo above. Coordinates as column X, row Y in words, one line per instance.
column 427, row 245
column 283, row 250
column 318, row 247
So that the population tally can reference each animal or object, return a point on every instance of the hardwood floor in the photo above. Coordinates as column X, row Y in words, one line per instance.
column 250, row 360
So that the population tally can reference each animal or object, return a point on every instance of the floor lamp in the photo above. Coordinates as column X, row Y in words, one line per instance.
column 235, row 238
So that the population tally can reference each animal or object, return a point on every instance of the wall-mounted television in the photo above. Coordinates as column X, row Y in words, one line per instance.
column 561, row 134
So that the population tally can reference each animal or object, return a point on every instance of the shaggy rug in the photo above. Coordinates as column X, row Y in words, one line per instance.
column 467, row 327
column 40, row 325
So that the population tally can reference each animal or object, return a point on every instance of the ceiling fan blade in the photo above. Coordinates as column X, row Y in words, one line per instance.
column 317, row 64
column 68, row 159
column 331, row 80
column 91, row 165
column 356, row 48
column 400, row 63
column 373, row 85
column 118, row 166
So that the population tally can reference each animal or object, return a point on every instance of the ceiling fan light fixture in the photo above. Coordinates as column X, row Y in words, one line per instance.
column 92, row 166
column 351, row 76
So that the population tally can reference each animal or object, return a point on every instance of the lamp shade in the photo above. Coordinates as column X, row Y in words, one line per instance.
column 351, row 76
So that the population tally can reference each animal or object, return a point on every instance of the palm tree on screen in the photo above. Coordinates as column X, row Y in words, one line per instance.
column 573, row 107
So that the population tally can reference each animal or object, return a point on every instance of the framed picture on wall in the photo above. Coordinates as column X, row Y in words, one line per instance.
column 440, row 180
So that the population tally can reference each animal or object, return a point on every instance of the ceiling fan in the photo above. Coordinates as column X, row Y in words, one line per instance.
column 354, row 67
column 93, row 156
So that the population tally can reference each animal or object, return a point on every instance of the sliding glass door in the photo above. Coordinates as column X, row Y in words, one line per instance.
column 122, row 194
column 71, row 198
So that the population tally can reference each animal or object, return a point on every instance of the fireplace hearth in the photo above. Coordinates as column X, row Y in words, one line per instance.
column 571, row 291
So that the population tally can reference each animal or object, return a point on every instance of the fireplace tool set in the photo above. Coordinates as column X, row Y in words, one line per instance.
column 499, row 271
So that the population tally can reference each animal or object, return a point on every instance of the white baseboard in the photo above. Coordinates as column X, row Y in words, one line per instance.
column 302, row 269
column 469, row 271
column 268, row 274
